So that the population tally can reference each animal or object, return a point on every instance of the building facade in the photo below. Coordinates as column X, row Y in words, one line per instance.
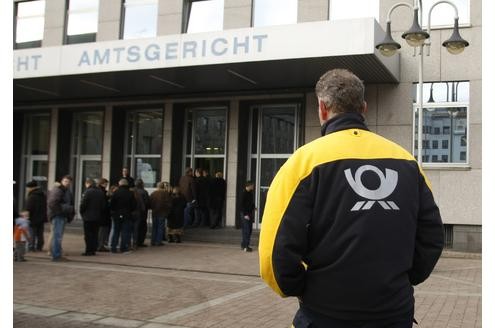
column 228, row 85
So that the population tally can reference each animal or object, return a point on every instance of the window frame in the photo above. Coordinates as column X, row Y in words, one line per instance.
column 424, row 21
column 79, row 38
column 123, row 14
column 27, row 44
column 329, row 15
column 443, row 165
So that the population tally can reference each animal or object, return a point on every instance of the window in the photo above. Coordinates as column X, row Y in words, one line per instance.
column 348, row 9
column 140, row 19
column 82, row 21
column 443, row 14
column 144, row 145
column 445, row 111
column 202, row 16
column 274, row 12
column 30, row 23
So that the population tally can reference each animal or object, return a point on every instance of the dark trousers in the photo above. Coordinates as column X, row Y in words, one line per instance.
column 121, row 228
column 37, row 240
column 103, row 233
column 200, row 218
column 247, row 229
column 143, row 229
column 215, row 217
column 306, row 318
column 91, row 229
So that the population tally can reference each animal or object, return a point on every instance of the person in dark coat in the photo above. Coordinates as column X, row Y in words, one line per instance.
column 126, row 175
column 36, row 205
column 105, row 220
column 143, row 224
column 247, row 215
column 187, row 187
column 122, row 204
column 217, row 199
column 92, row 208
column 175, row 222
column 201, row 197
column 161, row 203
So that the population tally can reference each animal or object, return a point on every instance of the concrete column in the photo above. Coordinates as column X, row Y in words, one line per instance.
column 52, row 154
column 231, row 174
column 167, row 142
column 109, row 20
column 312, row 128
column 107, row 142
column 312, row 10
column 54, row 23
column 169, row 17
column 237, row 14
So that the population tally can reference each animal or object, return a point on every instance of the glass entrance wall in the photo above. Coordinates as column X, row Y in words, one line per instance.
column 144, row 145
column 206, row 139
column 35, row 151
column 273, row 138
column 86, row 149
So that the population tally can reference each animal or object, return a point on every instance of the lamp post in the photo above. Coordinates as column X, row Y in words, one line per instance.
column 416, row 37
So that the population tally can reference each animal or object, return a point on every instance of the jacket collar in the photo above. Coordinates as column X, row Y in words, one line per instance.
column 344, row 121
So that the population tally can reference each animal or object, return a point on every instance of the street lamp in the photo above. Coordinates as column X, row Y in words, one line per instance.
column 416, row 37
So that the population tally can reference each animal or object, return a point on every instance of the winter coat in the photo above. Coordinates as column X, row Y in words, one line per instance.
column 217, row 193
column 175, row 219
column 60, row 203
column 122, row 203
column 187, row 187
column 36, row 205
column 161, row 203
column 93, row 205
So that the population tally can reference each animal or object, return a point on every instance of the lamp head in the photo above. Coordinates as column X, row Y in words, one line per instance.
column 388, row 46
column 455, row 44
column 415, row 36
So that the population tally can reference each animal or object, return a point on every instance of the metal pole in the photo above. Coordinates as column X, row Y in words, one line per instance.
column 420, row 109
column 420, row 85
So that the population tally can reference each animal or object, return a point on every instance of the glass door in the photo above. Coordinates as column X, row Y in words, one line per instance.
column 88, row 167
column 87, row 140
column 273, row 139
column 206, row 139
column 37, row 169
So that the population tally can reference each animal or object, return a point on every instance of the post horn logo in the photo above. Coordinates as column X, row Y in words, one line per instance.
column 388, row 182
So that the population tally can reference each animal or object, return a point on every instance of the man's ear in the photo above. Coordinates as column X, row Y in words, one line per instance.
column 365, row 107
column 323, row 111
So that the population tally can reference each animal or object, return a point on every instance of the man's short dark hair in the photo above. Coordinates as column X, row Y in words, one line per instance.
column 249, row 183
column 341, row 90
column 68, row 177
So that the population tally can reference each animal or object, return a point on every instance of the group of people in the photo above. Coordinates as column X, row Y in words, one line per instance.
column 116, row 219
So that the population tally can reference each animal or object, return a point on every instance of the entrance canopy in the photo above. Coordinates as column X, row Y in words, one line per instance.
column 239, row 60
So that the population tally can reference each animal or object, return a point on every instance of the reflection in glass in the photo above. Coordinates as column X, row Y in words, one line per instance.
column 441, row 92
column 209, row 136
column 278, row 131
column 269, row 168
column 83, row 17
column 90, row 169
column 452, row 121
column 274, row 12
column 148, row 169
column 348, row 9
column 205, row 16
column 30, row 21
column 140, row 18
column 39, row 173
column 149, row 133
column 39, row 132
column 88, row 133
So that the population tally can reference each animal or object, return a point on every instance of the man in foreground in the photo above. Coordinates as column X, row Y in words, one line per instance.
column 350, row 224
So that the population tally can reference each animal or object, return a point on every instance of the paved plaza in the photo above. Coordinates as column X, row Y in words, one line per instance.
column 199, row 285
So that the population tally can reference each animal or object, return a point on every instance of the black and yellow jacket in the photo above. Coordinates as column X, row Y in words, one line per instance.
column 350, row 225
